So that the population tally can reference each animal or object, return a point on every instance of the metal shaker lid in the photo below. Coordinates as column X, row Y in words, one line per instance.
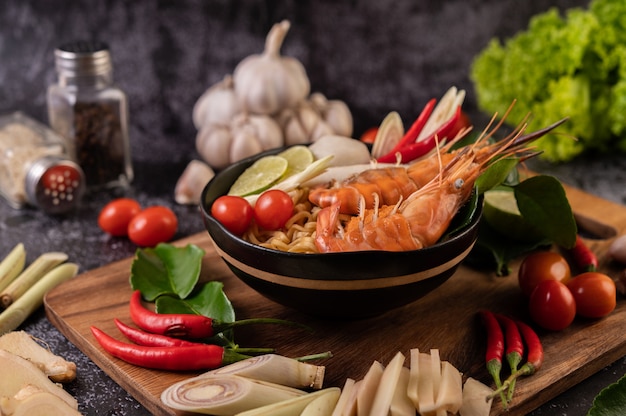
column 55, row 184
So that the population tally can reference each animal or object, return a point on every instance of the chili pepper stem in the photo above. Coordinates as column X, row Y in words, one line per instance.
column 319, row 356
column 525, row 370
column 494, row 367
column 514, row 359
column 224, row 326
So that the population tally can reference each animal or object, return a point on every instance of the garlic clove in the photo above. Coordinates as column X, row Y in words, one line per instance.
column 213, row 145
column 192, row 182
column 217, row 105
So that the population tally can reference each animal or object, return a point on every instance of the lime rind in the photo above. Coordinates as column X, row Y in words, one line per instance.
column 500, row 211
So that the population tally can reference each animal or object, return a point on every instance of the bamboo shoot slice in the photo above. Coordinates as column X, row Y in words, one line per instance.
column 450, row 396
column 387, row 386
column 225, row 395
column 426, row 393
column 413, row 384
column 367, row 390
column 324, row 404
column 291, row 407
column 474, row 398
column 346, row 405
column 435, row 365
column 401, row 405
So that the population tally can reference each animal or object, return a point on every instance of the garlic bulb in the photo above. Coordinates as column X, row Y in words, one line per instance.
column 334, row 112
column 302, row 124
column 246, row 135
column 268, row 83
column 218, row 104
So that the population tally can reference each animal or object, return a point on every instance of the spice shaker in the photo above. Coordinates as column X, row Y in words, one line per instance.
column 35, row 167
column 87, row 108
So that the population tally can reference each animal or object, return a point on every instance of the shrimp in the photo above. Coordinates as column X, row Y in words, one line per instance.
column 389, row 184
column 419, row 220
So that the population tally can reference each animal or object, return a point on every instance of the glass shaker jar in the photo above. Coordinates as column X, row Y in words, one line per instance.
column 87, row 108
column 35, row 168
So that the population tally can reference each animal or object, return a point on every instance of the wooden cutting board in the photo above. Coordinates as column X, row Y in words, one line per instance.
column 445, row 320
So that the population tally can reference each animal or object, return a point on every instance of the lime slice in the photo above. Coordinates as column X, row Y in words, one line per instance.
column 500, row 211
column 298, row 158
column 259, row 176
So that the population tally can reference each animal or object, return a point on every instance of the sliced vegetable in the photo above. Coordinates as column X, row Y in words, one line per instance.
column 225, row 395
column 401, row 405
column 25, row 305
column 12, row 265
column 367, row 390
column 477, row 398
column 296, row 405
column 346, row 405
column 277, row 369
column 32, row 274
column 324, row 404
column 387, row 386
column 390, row 132
column 24, row 345
column 450, row 395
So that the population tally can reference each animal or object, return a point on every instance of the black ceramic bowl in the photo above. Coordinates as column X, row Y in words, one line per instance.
column 339, row 285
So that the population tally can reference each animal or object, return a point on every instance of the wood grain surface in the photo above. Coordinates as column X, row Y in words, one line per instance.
column 445, row 319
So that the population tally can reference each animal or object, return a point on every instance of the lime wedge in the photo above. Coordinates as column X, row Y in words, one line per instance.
column 500, row 211
column 259, row 176
column 298, row 158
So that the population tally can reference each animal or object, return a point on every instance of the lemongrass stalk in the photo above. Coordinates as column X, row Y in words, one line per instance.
column 25, row 305
column 225, row 395
column 277, row 369
column 35, row 271
column 295, row 406
column 12, row 265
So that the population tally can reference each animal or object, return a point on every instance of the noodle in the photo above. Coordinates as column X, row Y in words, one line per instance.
column 298, row 234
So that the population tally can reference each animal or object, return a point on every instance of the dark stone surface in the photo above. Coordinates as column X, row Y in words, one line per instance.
column 377, row 56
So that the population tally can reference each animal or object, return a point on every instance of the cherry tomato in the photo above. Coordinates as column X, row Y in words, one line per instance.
column 273, row 209
column 552, row 305
column 233, row 212
column 542, row 265
column 153, row 225
column 594, row 293
column 116, row 215
column 369, row 135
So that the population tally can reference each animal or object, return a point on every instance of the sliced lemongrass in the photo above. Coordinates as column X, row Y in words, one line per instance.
column 35, row 271
column 12, row 265
column 225, row 394
column 291, row 407
column 387, row 386
column 401, row 405
column 26, row 304
column 277, row 369
column 367, row 390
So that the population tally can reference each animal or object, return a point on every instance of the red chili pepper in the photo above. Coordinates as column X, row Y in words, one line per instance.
column 414, row 150
column 189, row 358
column 186, row 325
column 495, row 349
column 534, row 358
column 416, row 128
column 584, row 258
column 514, row 348
column 150, row 340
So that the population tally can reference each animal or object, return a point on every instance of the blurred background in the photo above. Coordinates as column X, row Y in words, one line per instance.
column 376, row 56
